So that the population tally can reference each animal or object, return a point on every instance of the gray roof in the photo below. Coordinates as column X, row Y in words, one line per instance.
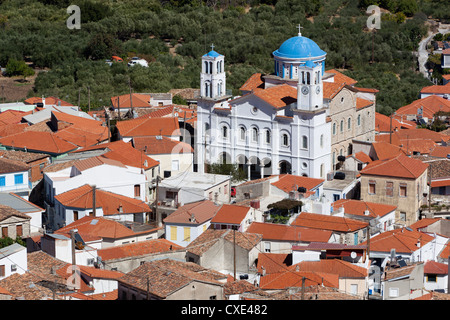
column 6, row 251
column 194, row 180
column 18, row 203
column 46, row 113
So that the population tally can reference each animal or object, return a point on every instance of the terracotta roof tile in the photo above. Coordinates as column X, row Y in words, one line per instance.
column 273, row 262
column 138, row 249
column 342, row 268
column 430, row 105
column 201, row 211
column 331, row 89
column 362, row 103
column 255, row 81
column 163, row 145
column 232, row 214
column 339, row 77
column 280, row 232
column 400, row 166
column 383, row 123
column 48, row 101
column 384, row 150
column 277, row 96
column 10, row 166
column 358, row 207
column 149, row 127
column 139, row 100
column 289, row 182
column 281, row 280
column 433, row 267
column 436, row 89
column 110, row 203
column 325, row 222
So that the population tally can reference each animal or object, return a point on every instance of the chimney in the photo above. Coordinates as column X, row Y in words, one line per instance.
column 366, row 212
column 43, row 101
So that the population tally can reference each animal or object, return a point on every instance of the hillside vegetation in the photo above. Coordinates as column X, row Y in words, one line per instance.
column 173, row 35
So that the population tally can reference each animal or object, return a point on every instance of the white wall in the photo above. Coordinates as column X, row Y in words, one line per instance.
column 14, row 263
column 10, row 182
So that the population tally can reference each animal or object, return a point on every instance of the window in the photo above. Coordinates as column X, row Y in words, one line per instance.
column 175, row 165
column 354, row 289
column 342, row 125
column 304, row 142
column 389, row 188
column 322, row 170
column 18, row 178
column 267, row 246
column 225, row 189
column 242, row 133
column 173, row 233
column 334, row 128
column 255, row 134
column 2, row 181
column 204, row 227
column 359, row 120
column 137, row 190
column 403, row 216
column 267, row 136
column 2, row 270
column 349, row 123
column 224, row 132
column 187, row 234
column 402, row 190
column 285, row 141
column 321, row 140
column 431, row 278
column 75, row 216
column 393, row 292
column 210, row 196
column 372, row 189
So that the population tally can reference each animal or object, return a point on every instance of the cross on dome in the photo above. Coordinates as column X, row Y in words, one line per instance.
column 212, row 46
column 299, row 27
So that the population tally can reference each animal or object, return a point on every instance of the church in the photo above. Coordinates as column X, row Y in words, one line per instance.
column 297, row 120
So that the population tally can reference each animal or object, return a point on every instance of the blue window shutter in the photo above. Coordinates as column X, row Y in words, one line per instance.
column 18, row 179
column 2, row 181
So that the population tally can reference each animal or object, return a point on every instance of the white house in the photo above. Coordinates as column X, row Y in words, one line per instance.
column 60, row 247
column 188, row 187
column 13, row 259
column 436, row 276
column 14, row 177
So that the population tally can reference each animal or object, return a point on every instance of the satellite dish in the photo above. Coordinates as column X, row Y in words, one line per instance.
column 353, row 255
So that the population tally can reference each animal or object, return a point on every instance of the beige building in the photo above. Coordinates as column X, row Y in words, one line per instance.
column 351, row 113
column 399, row 181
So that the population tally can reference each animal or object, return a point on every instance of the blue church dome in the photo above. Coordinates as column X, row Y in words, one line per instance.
column 299, row 47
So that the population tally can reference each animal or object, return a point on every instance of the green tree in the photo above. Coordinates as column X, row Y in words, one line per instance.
column 18, row 68
column 227, row 169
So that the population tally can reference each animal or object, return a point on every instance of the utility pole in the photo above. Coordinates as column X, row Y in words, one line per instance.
column 158, row 220
column 118, row 106
column 234, row 252
column 72, row 237
column 131, row 96
column 109, row 127
column 89, row 98
column 94, row 204
column 79, row 97
column 368, row 242
column 303, row 288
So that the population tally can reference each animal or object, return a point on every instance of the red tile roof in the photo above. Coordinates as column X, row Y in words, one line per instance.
column 331, row 89
column 12, row 116
column 402, row 240
column 277, row 96
column 138, row 249
column 433, row 267
column 430, row 106
column 361, row 156
column 325, row 222
column 44, row 142
column 273, row 262
column 436, row 89
column 400, row 166
column 138, row 100
column 343, row 269
column 282, row 280
column 255, row 81
column 124, row 153
column 82, row 197
column 362, row 103
column 383, row 123
column 384, row 150
column 280, row 232
column 440, row 152
column 48, row 101
column 231, row 214
column 339, row 77
column 149, row 127
column 289, row 182
column 358, row 207
column 93, row 162
column 423, row 223
column 200, row 211
column 162, row 145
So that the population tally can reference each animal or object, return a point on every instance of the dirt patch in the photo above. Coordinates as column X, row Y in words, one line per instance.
column 15, row 88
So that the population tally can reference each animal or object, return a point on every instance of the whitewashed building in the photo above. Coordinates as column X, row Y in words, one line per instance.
column 13, row 259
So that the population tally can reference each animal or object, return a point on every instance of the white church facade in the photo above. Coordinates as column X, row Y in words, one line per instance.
column 286, row 122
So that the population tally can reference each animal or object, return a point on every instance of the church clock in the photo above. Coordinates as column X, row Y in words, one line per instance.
column 305, row 90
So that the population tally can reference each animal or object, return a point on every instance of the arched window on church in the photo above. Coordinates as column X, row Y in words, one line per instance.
column 210, row 67
column 349, row 123
column 322, row 169
column 255, row 134
column 304, row 142
column 225, row 132
column 206, row 67
column 334, row 128
column 359, row 120
column 207, row 85
column 218, row 66
column 268, row 136
column 285, row 140
column 321, row 140
column 308, row 78
column 303, row 77
column 242, row 133
column 342, row 125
